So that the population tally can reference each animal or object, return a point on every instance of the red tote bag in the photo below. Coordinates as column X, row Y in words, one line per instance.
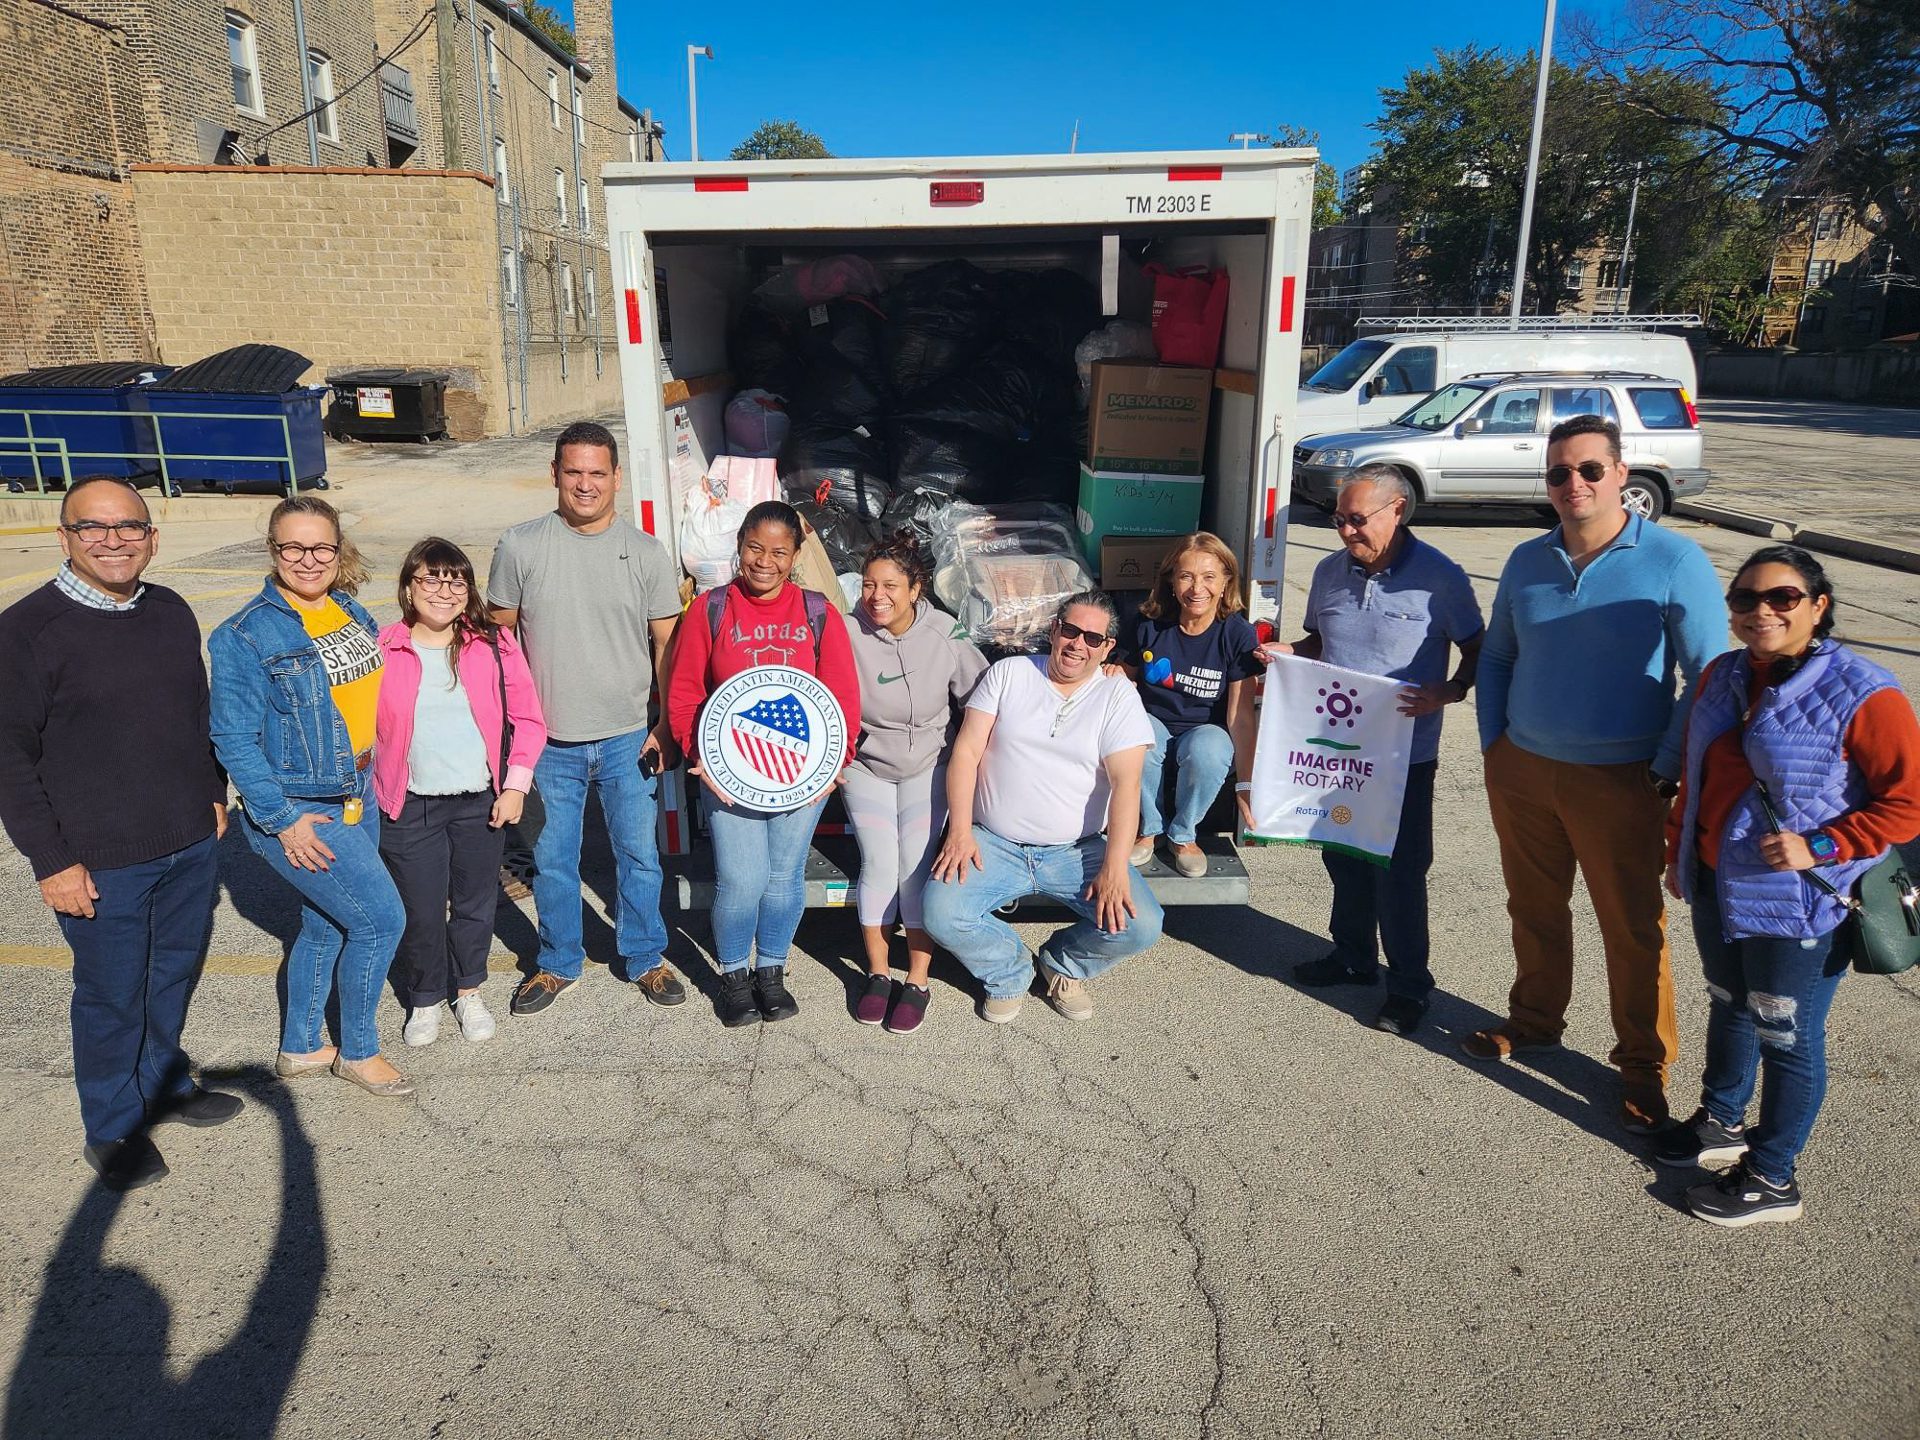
column 1189, row 313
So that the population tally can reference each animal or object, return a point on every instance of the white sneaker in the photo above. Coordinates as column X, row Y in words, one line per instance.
column 423, row 1025
column 476, row 1021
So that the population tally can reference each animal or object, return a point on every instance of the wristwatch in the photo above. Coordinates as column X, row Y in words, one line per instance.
column 1826, row 850
column 1664, row 787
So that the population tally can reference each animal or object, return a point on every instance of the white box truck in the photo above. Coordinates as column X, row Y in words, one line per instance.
column 690, row 241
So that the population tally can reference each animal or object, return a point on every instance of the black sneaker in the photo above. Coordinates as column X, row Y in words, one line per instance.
column 538, row 991
column 770, row 990
column 1400, row 1015
column 1701, row 1141
column 1331, row 970
column 1741, row 1197
column 661, row 986
column 126, row 1164
column 735, row 1004
column 199, row 1108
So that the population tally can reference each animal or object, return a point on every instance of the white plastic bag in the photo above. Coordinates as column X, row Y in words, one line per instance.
column 709, row 532
column 1116, row 340
column 756, row 424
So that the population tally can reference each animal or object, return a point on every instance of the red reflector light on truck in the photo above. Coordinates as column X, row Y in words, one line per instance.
column 1193, row 172
column 956, row 192
column 720, row 185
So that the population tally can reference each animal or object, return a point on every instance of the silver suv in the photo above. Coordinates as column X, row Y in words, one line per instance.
column 1483, row 440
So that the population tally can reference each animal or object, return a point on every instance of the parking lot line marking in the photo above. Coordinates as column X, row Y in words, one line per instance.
column 32, row 577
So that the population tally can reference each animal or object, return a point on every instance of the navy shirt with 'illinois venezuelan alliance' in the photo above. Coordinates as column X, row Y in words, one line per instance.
column 1193, row 691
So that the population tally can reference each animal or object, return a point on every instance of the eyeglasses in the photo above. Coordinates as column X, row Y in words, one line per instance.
column 95, row 532
column 1354, row 522
column 447, row 584
column 1591, row 471
column 292, row 554
column 1094, row 638
column 1780, row 599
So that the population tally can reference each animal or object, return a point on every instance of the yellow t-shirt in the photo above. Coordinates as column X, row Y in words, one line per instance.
column 351, row 654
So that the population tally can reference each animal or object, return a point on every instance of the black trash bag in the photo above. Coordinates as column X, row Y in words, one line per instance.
column 953, row 456
column 842, row 347
column 1050, row 311
column 1006, row 383
column 763, row 351
column 916, row 512
column 846, row 538
column 1043, row 466
column 840, row 466
column 937, row 319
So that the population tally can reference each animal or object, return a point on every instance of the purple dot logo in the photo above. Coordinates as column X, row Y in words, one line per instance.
column 1340, row 705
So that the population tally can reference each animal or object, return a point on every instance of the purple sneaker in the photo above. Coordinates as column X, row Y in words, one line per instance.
column 909, row 1010
column 871, row 1008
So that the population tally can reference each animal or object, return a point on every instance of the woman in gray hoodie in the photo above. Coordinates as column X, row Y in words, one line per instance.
column 916, row 667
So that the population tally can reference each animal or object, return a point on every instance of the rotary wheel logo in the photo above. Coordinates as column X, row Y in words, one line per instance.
column 1340, row 705
column 1340, row 815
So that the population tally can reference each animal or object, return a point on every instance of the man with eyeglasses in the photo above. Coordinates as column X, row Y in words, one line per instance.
column 109, row 787
column 1048, row 757
column 1391, row 605
column 1581, row 731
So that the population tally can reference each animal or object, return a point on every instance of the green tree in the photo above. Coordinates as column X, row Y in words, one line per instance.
column 548, row 22
column 1326, row 180
column 781, row 140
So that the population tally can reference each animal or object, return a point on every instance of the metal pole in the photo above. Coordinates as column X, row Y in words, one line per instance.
column 445, row 37
column 693, row 108
column 486, row 148
column 1533, row 166
column 306, row 83
column 1622, row 291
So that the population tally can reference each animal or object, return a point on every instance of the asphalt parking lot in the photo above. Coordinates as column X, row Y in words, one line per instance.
column 1223, row 1207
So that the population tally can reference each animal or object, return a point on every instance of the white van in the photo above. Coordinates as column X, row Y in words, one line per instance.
column 1379, row 376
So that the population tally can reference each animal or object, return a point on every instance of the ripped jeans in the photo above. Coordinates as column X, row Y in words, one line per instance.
column 1769, row 1002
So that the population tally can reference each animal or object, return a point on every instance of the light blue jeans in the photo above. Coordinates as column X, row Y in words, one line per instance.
column 1203, row 757
column 629, row 800
column 959, row 914
column 350, row 927
column 760, row 880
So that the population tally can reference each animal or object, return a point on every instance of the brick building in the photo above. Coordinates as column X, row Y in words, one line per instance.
column 164, row 191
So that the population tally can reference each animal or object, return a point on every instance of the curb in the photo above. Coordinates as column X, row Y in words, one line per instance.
column 1829, row 542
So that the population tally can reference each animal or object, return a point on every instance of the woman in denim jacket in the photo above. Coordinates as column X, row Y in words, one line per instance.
column 296, row 685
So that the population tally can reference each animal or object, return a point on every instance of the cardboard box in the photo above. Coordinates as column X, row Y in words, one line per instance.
column 1150, row 419
column 1132, row 563
column 1125, row 503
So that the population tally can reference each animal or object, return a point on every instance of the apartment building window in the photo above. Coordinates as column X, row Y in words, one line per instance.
column 509, row 279
column 1826, row 225
column 1576, row 274
column 566, row 289
column 553, row 99
column 593, row 302
column 586, row 205
column 493, row 58
column 245, row 60
column 1609, row 274
column 502, row 186
column 633, row 146
column 560, row 196
column 1820, row 272
column 579, row 118
column 320, row 83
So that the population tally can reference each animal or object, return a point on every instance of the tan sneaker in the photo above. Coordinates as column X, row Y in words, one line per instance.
column 1069, row 996
column 1191, row 863
column 1001, row 1011
column 1142, row 852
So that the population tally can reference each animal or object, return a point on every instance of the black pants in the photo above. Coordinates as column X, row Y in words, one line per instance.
column 445, row 862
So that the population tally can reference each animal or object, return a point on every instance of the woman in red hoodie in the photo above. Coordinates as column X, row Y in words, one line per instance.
column 760, row 857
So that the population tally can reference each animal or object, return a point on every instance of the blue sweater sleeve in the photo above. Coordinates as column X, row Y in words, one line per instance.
column 1696, row 633
column 239, row 721
column 1495, row 674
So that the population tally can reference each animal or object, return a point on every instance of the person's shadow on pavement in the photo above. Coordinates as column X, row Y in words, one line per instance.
column 94, row 1362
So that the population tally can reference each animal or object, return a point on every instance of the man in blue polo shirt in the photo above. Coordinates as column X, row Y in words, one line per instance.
column 1389, row 604
column 1581, row 733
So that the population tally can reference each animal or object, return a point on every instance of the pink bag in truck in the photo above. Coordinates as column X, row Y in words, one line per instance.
column 1189, row 313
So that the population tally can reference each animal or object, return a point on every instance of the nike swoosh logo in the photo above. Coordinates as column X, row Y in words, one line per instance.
column 889, row 679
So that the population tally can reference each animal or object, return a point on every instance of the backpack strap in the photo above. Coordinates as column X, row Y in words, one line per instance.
column 716, row 602
column 816, row 604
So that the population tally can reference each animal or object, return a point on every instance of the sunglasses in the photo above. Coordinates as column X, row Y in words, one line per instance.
column 1591, row 471
column 1780, row 599
column 1349, row 521
column 1094, row 638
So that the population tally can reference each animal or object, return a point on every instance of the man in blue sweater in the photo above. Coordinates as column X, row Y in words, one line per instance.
column 1581, row 734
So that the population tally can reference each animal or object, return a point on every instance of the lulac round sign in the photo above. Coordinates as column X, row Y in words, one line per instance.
column 772, row 738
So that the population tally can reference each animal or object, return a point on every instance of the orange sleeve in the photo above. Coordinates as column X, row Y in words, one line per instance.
column 1883, row 743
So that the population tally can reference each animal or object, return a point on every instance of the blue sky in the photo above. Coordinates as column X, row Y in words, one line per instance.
column 1008, row 78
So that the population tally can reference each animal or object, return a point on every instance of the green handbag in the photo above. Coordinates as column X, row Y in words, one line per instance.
column 1883, row 913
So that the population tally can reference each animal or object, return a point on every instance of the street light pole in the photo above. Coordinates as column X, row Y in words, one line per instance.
column 1533, row 166
column 693, row 100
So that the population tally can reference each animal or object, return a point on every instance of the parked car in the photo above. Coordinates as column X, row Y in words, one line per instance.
column 1378, row 376
column 1484, row 440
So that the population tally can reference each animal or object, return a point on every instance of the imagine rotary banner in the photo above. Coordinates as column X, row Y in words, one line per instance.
column 1330, row 767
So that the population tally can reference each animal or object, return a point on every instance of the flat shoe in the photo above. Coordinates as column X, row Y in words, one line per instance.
column 292, row 1067
column 397, row 1089
column 1190, row 863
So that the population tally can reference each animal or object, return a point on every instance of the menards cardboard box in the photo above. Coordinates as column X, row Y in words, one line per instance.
column 1151, row 419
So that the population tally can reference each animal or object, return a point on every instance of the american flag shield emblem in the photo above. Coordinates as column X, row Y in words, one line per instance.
column 771, row 736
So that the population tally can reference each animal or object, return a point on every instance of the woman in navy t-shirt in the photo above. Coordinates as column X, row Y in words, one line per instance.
column 1192, row 652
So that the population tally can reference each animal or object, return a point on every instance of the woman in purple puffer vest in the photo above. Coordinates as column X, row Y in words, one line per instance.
column 1800, row 755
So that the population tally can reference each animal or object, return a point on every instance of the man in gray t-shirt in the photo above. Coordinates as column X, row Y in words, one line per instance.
column 595, row 604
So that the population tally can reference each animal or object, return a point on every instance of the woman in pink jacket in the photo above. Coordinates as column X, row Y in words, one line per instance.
column 458, row 730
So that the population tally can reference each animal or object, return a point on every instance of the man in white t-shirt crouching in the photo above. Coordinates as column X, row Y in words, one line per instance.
column 1048, row 758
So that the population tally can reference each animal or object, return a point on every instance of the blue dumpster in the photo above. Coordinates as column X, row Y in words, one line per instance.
column 69, row 420
column 215, row 438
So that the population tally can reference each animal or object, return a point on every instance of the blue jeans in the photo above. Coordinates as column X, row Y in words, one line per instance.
column 1203, row 759
column 1389, row 901
column 959, row 914
column 630, row 802
column 350, row 927
column 760, row 880
column 134, row 966
column 1768, row 1001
